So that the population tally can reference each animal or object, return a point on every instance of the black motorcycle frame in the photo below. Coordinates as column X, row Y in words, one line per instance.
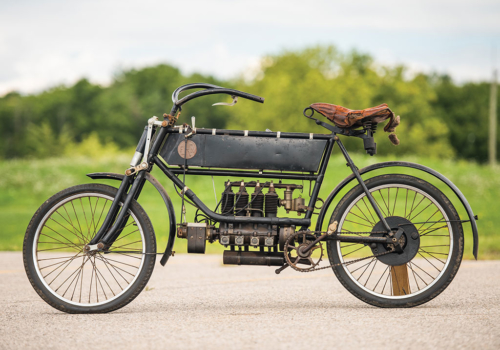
column 131, row 186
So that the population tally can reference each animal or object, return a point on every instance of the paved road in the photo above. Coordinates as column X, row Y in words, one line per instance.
column 196, row 302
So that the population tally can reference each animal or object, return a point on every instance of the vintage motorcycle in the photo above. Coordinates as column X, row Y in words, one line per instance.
column 393, row 240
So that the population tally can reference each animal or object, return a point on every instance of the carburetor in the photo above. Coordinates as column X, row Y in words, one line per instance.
column 293, row 204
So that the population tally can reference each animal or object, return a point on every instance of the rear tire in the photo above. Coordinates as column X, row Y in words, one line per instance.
column 53, row 251
column 425, row 275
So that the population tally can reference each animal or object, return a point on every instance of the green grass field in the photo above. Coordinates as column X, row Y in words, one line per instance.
column 26, row 184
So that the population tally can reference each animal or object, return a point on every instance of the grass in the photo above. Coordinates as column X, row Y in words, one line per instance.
column 26, row 184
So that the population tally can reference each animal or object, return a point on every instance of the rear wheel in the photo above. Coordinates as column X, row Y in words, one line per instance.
column 432, row 242
column 73, row 280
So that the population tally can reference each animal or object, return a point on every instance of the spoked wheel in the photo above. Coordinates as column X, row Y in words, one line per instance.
column 70, row 278
column 432, row 242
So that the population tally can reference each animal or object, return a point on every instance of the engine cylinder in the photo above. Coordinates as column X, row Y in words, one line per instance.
column 257, row 200
column 271, row 200
column 241, row 201
column 227, row 201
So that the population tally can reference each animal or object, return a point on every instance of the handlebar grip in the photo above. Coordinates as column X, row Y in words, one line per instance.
column 251, row 97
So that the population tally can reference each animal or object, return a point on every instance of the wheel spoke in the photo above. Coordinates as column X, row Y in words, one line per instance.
column 363, row 199
column 366, row 268
column 374, row 288
column 354, row 251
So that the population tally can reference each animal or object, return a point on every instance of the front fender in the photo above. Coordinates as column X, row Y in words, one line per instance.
column 428, row 170
column 166, row 199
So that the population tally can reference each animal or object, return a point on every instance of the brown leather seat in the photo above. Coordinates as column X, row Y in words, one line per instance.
column 349, row 118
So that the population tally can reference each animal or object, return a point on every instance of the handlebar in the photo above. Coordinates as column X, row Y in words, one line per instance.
column 209, row 90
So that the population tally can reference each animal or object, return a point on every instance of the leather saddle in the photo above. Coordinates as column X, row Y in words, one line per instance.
column 350, row 118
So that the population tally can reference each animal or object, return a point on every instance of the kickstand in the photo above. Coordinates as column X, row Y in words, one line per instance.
column 281, row 268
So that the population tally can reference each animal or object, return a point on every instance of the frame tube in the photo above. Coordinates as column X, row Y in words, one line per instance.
column 223, row 218
column 363, row 186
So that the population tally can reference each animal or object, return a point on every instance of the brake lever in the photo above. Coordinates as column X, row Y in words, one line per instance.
column 235, row 100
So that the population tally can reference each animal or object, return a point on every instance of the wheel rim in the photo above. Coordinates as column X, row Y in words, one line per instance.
column 84, row 279
column 435, row 250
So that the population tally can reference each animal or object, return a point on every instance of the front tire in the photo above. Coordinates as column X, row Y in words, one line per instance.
column 72, row 280
column 407, row 279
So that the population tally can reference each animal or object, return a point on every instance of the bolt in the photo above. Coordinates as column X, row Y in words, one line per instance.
column 414, row 235
column 373, row 245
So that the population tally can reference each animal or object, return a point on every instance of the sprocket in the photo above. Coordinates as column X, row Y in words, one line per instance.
column 294, row 256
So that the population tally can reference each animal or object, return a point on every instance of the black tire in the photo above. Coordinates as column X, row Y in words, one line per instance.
column 347, row 276
column 141, row 224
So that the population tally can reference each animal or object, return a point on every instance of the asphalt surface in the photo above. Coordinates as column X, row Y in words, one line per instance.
column 197, row 303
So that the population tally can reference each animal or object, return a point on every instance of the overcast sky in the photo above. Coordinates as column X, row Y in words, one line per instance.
column 48, row 42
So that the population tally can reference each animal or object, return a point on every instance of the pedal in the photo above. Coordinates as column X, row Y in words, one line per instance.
column 281, row 268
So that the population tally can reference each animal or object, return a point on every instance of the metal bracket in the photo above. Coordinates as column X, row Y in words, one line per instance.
column 136, row 169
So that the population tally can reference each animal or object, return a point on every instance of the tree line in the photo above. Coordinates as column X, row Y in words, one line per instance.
column 439, row 118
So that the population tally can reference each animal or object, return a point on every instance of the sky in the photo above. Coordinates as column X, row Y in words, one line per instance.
column 45, row 43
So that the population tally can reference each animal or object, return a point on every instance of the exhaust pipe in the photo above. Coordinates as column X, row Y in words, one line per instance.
column 232, row 257
column 253, row 258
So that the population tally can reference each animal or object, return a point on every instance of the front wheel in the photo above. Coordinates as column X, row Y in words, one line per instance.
column 73, row 280
column 432, row 242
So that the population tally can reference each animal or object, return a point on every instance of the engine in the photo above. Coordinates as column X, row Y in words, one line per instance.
column 248, row 199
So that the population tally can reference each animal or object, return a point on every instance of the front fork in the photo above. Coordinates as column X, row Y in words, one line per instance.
column 107, row 234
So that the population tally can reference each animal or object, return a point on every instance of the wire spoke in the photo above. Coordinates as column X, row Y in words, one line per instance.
column 433, row 230
column 128, row 234
column 111, row 273
column 136, row 267
column 387, row 207
column 66, row 238
column 373, row 268
column 116, row 268
column 86, row 221
column 433, row 278
column 60, row 262
column 387, row 268
column 121, row 246
column 369, row 211
column 354, row 251
column 441, row 261
column 421, row 211
column 418, row 274
column 365, row 269
column 395, row 199
column 70, row 244
column 413, row 272
column 357, row 223
column 413, row 209
column 57, row 268
column 79, row 236
column 365, row 217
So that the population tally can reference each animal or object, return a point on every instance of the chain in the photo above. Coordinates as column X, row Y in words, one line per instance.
column 332, row 265
column 340, row 264
column 342, row 233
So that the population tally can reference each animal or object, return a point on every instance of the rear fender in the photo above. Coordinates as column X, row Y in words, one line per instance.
column 428, row 170
column 166, row 199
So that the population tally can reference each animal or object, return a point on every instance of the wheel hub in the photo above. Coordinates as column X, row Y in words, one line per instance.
column 409, row 241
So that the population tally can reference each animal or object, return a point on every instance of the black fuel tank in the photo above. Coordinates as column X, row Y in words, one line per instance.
column 247, row 152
